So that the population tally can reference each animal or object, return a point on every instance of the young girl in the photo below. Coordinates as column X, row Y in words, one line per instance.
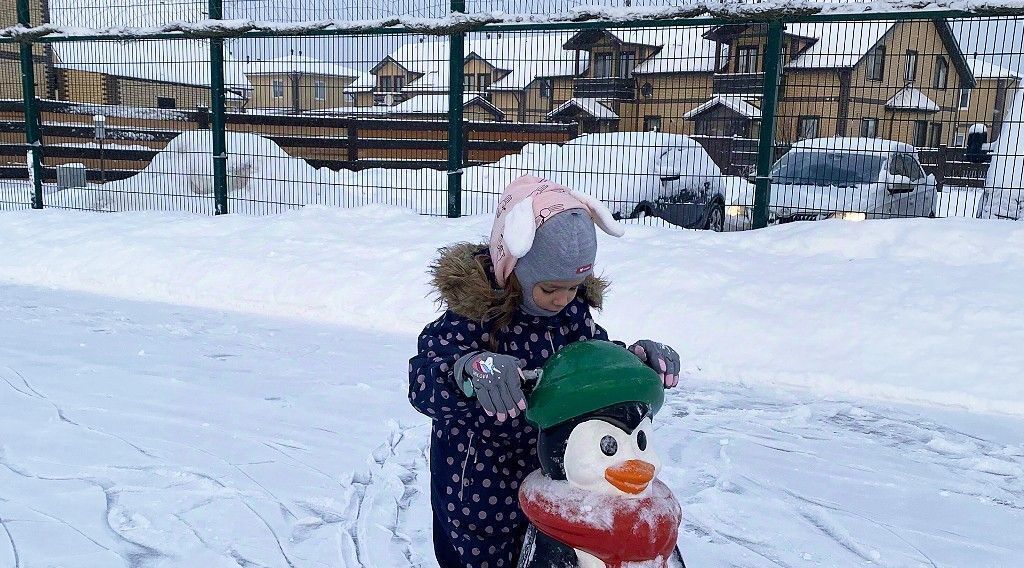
column 510, row 306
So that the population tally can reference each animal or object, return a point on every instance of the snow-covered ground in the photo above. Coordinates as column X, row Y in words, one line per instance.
column 184, row 390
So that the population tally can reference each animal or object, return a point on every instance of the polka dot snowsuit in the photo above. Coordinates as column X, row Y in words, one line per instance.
column 477, row 464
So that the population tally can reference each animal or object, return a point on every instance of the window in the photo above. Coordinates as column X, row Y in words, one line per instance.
column 807, row 127
column 385, row 83
column 320, row 90
column 546, row 88
column 965, row 97
column 603, row 65
column 652, row 123
column 627, row 61
column 906, row 166
column 910, row 73
column 876, row 63
column 935, row 135
column 278, row 87
column 647, row 90
column 166, row 102
column 869, row 128
column 921, row 133
column 399, row 82
column 351, row 98
column 469, row 82
column 483, row 81
column 941, row 77
column 961, row 138
column 746, row 60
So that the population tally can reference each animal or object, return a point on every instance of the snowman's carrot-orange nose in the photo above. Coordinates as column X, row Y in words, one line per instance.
column 631, row 476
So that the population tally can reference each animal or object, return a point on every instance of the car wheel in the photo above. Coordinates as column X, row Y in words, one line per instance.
column 716, row 218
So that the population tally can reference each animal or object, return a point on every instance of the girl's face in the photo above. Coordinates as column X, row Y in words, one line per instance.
column 555, row 295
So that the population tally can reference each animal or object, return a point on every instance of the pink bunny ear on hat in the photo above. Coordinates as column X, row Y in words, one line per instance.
column 600, row 214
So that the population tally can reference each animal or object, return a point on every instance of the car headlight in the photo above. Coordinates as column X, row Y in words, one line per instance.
column 737, row 211
column 851, row 216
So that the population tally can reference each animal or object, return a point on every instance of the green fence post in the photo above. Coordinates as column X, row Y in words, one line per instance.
column 217, row 98
column 456, row 70
column 769, row 107
column 33, row 136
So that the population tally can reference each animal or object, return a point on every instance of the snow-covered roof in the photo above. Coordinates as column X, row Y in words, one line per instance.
column 982, row 69
column 688, row 51
column 871, row 145
column 527, row 57
column 298, row 64
column 734, row 102
column 184, row 61
column 840, row 44
column 910, row 98
column 438, row 104
column 593, row 107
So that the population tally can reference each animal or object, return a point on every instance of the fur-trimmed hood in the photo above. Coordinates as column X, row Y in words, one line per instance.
column 463, row 279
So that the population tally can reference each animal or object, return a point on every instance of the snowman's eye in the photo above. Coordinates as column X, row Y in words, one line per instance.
column 641, row 440
column 609, row 446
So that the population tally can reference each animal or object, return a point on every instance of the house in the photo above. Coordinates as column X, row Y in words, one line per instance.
column 514, row 73
column 146, row 73
column 636, row 79
column 10, row 54
column 906, row 81
column 298, row 83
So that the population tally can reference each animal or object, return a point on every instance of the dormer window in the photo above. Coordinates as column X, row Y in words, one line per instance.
column 603, row 65
column 746, row 59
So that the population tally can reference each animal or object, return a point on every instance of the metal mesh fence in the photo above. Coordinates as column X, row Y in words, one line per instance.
column 664, row 121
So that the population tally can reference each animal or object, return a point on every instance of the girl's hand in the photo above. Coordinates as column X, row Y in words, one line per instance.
column 496, row 382
column 660, row 357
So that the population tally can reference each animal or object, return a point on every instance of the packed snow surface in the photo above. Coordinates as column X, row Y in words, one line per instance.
column 182, row 390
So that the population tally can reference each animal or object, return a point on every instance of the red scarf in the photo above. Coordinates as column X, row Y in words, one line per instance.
column 618, row 530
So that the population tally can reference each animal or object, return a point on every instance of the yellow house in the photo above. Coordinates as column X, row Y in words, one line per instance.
column 513, row 73
column 298, row 83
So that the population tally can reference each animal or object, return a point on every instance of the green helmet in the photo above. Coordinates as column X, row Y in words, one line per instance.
column 588, row 376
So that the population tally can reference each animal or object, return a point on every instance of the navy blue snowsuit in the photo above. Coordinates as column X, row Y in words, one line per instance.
column 477, row 464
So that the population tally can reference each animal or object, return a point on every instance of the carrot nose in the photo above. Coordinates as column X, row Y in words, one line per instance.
column 631, row 476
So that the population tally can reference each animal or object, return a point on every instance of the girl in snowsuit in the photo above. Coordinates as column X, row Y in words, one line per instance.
column 510, row 306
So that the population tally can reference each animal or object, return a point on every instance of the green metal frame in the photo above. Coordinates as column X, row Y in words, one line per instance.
column 217, row 111
column 33, row 136
column 456, row 87
column 769, row 106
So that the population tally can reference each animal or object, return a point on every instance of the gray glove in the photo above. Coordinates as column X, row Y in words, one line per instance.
column 496, row 381
column 660, row 357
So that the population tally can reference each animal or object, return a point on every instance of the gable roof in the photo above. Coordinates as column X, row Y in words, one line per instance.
column 593, row 107
column 732, row 102
column 910, row 98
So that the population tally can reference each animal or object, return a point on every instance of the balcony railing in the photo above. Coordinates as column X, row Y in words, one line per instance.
column 738, row 83
column 609, row 88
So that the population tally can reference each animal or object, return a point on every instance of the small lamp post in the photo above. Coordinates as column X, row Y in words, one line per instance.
column 100, row 122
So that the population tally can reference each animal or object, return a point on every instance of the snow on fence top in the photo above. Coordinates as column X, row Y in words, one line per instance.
column 720, row 10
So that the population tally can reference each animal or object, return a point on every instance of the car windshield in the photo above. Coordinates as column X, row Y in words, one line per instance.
column 825, row 168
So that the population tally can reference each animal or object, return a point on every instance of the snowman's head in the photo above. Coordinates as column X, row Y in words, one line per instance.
column 608, row 451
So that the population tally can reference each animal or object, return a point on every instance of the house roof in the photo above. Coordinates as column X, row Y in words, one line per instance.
column 839, row 44
column 910, row 98
column 593, row 107
column 185, row 61
column 429, row 59
column 732, row 102
column 438, row 104
column 298, row 64
column 983, row 69
column 687, row 51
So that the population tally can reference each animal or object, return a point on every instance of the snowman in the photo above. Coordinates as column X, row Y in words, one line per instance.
column 596, row 501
